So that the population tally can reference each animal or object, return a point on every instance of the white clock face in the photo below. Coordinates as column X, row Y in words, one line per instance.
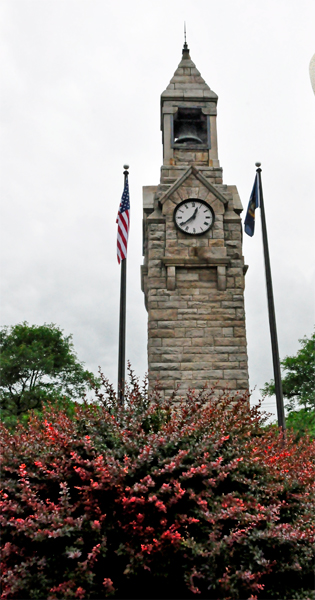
column 193, row 217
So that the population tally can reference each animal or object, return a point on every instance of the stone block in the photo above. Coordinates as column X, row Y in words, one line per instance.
column 238, row 357
column 167, row 324
column 202, row 341
column 242, row 385
column 187, row 311
column 153, row 245
column 239, row 282
column 239, row 331
column 179, row 332
column 171, row 303
column 233, row 271
column 156, row 235
column 181, row 342
column 154, row 262
column 230, row 283
column 215, row 243
column 234, row 374
column 202, row 324
column 226, row 384
column 217, row 227
column 186, row 358
column 154, row 272
column 217, row 234
column 201, row 359
column 165, row 366
column 168, row 207
column 167, row 314
column 227, row 331
column 220, row 359
column 240, row 313
column 234, row 227
column 193, row 333
column 209, row 374
column 232, row 304
column 176, row 252
column 230, row 342
column 170, row 234
column 155, row 253
column 224, row 365
column 185, row 322
column 169, row 374
column 162, row 333
column 204, row 307
column 202, row 156
column 226, row 313
column 165, row 355
column 156, row 282
column 186, row 277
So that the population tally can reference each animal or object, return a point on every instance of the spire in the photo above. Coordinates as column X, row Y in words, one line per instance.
column 185, row 47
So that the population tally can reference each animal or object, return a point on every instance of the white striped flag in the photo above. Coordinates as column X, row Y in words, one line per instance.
column 123, row 222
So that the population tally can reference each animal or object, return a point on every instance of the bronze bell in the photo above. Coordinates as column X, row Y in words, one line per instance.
column 188, row 134
column 190, row 126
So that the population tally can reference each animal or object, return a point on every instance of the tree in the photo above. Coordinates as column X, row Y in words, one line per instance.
column 302, row 421
column 38, row 363
column 156, row 500
column 298, row 385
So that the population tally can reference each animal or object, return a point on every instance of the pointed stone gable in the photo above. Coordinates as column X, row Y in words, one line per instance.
column 194, row 174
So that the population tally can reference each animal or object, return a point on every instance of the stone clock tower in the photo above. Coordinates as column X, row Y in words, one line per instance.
column 193, row 271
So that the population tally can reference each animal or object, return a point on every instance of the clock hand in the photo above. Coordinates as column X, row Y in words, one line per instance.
column 191, row 218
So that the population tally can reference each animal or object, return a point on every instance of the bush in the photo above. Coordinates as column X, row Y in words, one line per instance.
column 156, row 500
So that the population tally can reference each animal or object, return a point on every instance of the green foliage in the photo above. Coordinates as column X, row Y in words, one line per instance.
column 298, row 383
column 302, row 422
column 156, row 500
column 37, row 364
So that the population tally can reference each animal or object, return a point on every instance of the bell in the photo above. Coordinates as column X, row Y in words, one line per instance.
column 187, row 133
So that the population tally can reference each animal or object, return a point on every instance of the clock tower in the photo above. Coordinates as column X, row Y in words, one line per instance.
column 193, row 271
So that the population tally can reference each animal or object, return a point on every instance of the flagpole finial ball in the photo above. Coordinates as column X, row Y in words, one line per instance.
column 258, row 164
column 126, row 166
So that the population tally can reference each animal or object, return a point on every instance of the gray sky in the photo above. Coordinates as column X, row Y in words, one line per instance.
column 81, row 85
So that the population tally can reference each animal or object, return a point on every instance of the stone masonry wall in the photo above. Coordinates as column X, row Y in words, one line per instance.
column 195, row 298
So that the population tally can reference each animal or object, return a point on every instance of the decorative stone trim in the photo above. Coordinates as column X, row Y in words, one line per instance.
column 171, row 263
column 195, row 172
column 171, row 278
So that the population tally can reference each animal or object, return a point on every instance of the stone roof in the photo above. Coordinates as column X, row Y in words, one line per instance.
column 187, row 82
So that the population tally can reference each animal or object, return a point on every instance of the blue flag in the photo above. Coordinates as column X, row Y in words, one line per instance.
column 254, row 202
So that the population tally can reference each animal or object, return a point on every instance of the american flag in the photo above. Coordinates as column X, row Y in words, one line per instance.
column 123, row 221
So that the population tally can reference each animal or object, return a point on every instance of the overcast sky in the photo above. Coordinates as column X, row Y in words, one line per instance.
column 81, row 84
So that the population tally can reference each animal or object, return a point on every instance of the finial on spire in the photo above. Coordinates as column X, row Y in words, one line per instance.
column 185, row 47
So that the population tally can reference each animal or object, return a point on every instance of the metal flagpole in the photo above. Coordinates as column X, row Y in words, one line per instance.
column 271, row 311
column 122, row 321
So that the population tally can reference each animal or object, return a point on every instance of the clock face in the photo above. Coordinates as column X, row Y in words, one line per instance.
column 194, row 217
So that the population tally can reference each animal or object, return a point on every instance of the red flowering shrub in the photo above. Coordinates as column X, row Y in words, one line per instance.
column 156, row 501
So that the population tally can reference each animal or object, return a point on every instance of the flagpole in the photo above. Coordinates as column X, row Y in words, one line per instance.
column 122, row 321
column 271, row 311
